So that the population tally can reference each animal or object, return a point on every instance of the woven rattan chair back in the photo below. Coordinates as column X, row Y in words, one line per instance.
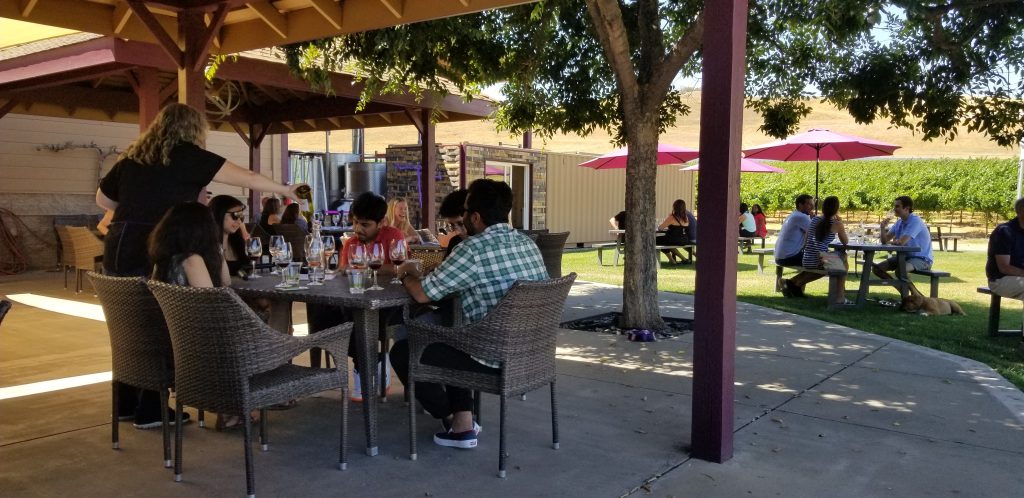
column 520, row 333
column 80, row 249
column 551, row 246
column 296, row 236
column 429, row 256
column 216, row 339
column 140, row 347
column 228, row 360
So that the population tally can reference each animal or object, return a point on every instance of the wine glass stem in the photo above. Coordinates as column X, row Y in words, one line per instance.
column 375, row 278
column 283, row 278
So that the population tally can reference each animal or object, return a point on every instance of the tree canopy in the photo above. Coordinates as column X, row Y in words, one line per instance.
column 936, row 67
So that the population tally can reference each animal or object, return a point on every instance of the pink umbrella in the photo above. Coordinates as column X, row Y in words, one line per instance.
column 746, row 166
column 818, row 145
column 667, row 154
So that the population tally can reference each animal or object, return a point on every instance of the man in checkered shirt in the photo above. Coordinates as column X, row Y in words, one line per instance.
column 480, row 271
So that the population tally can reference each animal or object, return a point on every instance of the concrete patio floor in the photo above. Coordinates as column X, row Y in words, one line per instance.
column 821, row 410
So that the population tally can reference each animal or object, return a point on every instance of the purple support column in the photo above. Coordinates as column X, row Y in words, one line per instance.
column 721, row 125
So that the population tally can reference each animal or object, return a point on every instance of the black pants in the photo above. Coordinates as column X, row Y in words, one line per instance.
column 322, row 316
column 746, row 233
column 439, row 400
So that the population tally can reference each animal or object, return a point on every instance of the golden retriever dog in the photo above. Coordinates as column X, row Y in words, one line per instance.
column 916, row 303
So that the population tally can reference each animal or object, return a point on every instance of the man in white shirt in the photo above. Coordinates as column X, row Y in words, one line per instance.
column 789, row 249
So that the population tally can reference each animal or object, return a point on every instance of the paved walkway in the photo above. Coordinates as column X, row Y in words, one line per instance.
column 821, row 410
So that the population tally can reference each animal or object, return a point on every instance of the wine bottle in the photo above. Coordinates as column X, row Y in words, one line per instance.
column 305, row 195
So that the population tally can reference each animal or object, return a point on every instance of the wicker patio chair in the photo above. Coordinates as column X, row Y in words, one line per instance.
column 226, row 360
column 551, row 246
column 533, row 232
column 5, row 306
column 429, row 256
column 519, row 333
column 81, row 249
column 140, row 347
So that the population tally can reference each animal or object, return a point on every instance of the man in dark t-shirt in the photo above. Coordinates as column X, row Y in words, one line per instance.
column 1005, row 265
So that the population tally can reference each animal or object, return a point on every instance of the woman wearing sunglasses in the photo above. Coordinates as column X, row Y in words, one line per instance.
column 229, row 213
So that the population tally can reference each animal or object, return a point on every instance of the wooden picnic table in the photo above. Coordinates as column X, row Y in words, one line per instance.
column 902, row 280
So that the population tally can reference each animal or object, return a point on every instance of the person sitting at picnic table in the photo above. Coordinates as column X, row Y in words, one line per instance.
column 789, row 249
column 1005, row 264
column 759, row 221
column 909, row 230
column 480, row 271
column 618, row 222
column 676, row 227
column 291, row 216
column 823, row 229
column 748, row 227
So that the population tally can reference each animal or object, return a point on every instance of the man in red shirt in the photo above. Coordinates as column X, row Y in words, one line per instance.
column 368, row 211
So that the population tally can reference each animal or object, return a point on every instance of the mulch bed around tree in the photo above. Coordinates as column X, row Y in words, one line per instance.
column 608, row 323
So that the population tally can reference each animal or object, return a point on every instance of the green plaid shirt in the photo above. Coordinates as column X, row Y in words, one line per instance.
column 482, row 268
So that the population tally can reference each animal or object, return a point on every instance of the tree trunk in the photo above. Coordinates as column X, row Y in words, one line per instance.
column 640, row 281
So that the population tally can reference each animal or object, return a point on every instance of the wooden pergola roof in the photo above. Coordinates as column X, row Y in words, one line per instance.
column 239, row 25
column 89, row 76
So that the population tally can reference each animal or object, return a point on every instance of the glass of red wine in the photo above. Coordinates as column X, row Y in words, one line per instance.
column 375, row 260
column 399, row 254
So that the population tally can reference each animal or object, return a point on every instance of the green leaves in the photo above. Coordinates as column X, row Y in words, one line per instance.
column 984, row 185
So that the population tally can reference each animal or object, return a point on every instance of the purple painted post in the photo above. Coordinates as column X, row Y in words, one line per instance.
column 721, row 126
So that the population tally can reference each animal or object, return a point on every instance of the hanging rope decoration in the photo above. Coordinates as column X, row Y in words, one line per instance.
column 225, row 99
column 12, row 256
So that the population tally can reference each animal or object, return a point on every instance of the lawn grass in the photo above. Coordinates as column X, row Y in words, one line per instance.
column 960, row 335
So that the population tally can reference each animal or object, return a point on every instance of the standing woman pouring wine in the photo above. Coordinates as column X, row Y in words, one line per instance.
column 165, row 166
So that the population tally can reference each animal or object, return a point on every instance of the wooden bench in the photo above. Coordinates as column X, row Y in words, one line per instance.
column 993, row 316
column 934, row 276
column 760, row 257
column 686, row 247
column 833, row 280
column 746, row 244
column 602, row 247
column 944, row 240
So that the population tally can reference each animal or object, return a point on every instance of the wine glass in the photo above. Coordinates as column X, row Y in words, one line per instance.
column 375, row 259
column 398, row 256
column 277, row 243
column 314, row 257
column 357, row 256
column 329, row 250
column 254, row 249
column 282, row 260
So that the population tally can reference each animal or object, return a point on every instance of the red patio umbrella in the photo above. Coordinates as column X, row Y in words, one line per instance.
column 667, row 154
column 746, row 166
column 818, row 145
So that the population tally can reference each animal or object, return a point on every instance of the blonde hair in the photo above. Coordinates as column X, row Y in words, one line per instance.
column 175, row 124
column 390, row 220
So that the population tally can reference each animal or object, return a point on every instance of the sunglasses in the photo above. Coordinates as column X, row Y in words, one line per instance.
column 236, row 215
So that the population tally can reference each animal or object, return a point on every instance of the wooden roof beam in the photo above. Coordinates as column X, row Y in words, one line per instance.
column 336, row 122
column 122, row 13
column 6, row 108
column 27, row 6
column 166, row 42
column 215, row 21
column 331, row 11
column 396, row 7
column 270, row 15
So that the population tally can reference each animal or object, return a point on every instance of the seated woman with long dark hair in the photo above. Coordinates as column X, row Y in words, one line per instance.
column 185, row 248
column 291, row 216
column 677, row 232
column 229, row 214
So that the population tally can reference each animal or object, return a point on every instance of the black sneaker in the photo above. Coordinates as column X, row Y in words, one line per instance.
column 465, row 440
column 145, row 423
